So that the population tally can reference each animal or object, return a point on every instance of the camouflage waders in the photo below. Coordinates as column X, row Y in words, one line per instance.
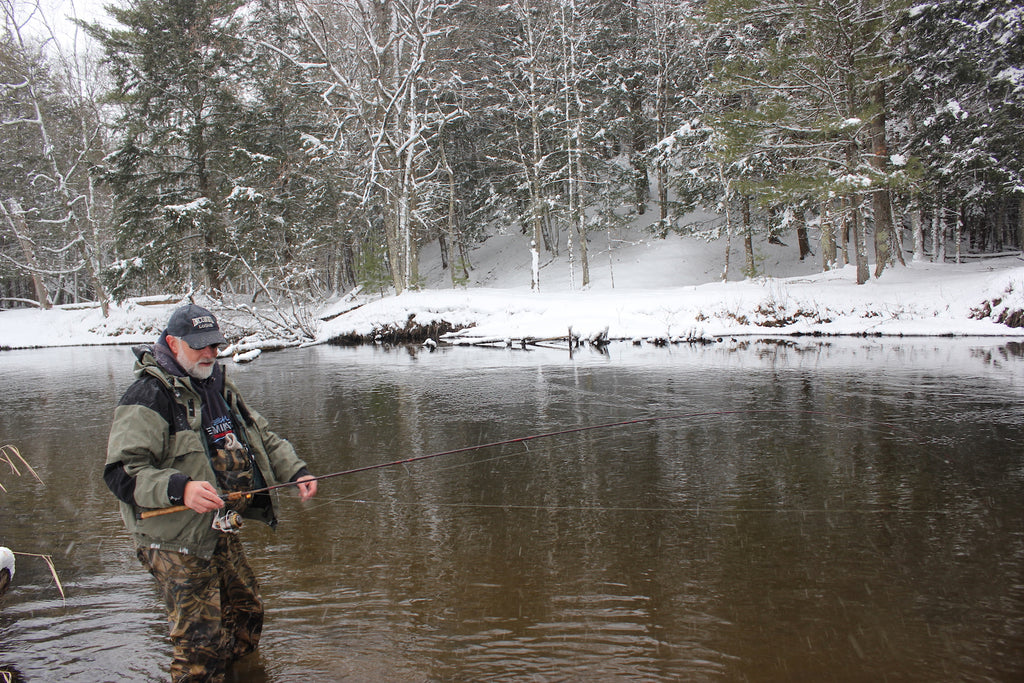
column 213, row 606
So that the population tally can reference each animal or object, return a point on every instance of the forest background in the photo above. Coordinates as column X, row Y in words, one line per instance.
column 288, row 151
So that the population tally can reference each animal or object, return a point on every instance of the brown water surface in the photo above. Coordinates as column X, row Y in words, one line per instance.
column 845, row 511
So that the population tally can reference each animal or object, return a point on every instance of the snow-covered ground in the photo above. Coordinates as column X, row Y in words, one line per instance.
column 642, row 288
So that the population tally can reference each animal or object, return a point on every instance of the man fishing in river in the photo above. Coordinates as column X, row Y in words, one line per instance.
column 182, row 436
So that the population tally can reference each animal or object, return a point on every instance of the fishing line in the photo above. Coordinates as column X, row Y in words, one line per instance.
column 525, row 441
column 848, row 421
column 698, row 509
column 236, row 495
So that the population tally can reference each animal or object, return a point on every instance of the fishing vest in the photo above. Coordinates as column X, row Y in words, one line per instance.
column 231, row 457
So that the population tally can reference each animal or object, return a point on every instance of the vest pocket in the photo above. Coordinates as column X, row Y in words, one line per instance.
column 186, row 454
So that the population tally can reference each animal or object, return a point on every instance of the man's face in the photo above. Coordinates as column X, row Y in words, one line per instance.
column 197, row 363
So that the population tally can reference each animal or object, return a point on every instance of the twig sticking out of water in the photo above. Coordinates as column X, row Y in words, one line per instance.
column 53, row 571
column 10, row 455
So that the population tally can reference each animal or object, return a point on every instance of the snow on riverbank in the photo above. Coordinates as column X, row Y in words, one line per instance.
column 645, row 289
column 922, row 299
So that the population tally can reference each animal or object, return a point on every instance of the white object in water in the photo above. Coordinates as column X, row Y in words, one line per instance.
column 6, row 568
column 247, row 356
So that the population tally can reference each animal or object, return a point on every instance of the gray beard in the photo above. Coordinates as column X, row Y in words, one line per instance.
column 194, row 370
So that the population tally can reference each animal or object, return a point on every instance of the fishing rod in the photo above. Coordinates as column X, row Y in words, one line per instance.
column 238, row 495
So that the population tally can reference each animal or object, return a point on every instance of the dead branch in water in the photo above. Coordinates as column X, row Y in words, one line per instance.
column 10, row 455
column 48, row 559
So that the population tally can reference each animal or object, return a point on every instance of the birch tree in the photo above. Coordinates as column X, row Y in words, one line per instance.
column 531, row 91
column 54, row 134
column 374, row 62
column 673, row 59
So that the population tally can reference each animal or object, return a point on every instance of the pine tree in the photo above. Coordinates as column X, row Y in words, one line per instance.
column 176, row 67
column 963, row 97
column 796, row 92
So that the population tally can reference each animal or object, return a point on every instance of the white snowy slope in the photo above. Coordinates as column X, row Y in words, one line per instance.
column 672, row 288
column 641, row 287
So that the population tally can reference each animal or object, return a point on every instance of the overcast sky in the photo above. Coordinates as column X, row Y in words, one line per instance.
column 57, row 15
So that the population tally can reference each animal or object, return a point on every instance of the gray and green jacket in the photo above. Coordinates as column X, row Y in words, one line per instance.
column 157, row 445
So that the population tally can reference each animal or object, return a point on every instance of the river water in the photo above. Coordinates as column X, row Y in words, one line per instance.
column 849, row 510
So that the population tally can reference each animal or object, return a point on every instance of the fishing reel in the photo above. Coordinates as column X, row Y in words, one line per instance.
column 227, row 521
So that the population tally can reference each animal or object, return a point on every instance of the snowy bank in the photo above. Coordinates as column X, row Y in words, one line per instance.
column 920, row 299
column 659, row 290
column 133, row 322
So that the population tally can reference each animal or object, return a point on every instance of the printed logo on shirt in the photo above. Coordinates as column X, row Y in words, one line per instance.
column 220, row 430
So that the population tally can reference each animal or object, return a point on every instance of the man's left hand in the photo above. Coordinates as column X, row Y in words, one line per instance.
column 307, row 487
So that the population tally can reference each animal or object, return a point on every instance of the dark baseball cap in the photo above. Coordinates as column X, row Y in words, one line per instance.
column 196, row 326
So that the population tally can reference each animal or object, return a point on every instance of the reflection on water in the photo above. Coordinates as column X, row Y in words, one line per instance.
column 843, row 511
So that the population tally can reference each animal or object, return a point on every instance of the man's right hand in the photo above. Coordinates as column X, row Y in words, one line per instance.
column 202, row 497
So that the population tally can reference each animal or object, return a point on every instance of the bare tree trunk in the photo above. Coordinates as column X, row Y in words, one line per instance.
column 860, row 246
column 917, row 228
column 958, row 230
column 15, row 219
column 1020, row 223
column 345, row 269
column 845, row 218
column 938, row 234
column 750, row 269
column 572, row 256
column 880, row 200
column 828, row 237
column 581, row 223
column 611, row 260
column 445, row 251
column 394, row 250
column 406, row 179
column 802, row 239
column 662, row 115
column 663, row 193
column 464, row 260
column 727, row 188
column 574, row 164
column 896, row 242
column 536, row 193
column 882, row 210
column 448, row 250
